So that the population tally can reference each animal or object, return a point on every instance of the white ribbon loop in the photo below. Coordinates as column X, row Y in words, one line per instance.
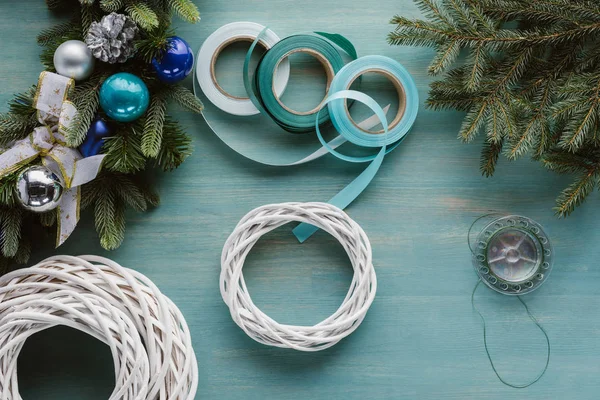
column 48, row 142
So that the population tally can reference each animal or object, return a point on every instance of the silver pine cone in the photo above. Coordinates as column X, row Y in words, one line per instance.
column 111, row 39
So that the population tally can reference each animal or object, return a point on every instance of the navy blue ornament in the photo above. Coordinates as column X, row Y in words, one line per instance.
column 92, row 145
column 175, row 63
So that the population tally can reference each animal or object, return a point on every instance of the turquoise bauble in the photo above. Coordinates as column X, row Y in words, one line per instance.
column 124, row 97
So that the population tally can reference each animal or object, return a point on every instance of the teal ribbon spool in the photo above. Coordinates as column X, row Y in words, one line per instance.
column 387, row 140
column 261, row 88
column 335, row 106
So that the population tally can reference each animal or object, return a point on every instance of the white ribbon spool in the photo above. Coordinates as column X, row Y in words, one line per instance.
column 146, row 332
column 257, row 324
column 209, row 52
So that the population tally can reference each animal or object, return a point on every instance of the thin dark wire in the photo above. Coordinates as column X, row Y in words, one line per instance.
column 486, row 345
column 473, row 224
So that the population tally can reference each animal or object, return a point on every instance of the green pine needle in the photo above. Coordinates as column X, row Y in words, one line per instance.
column 529, row 80
column 142, row 15
column 176, row 146
column 185, row 98
column 10, row 236
column 111, row 5
column 185, row 9
column 153, row 129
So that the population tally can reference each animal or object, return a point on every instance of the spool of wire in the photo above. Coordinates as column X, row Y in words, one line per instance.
column 512, row 254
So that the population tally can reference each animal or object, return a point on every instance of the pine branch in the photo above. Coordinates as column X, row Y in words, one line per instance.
column 185, row 98
column 154, row 43
column 48, row 219
column 111, row 5
column 87, row 101
column 576, row 193
column 110, row 219
column 10, row 237
column 57, row 4
column 14, row 127
column 153, row 129
column 489, row 157
column 185, row 9
column 142, row 15
column 176, row 146
column 124, row 151
column 49, row 35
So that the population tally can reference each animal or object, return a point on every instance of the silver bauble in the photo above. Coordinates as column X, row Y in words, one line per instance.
column 39, row 189
column 73, row 59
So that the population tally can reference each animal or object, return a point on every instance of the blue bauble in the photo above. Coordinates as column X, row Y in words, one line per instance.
column 124, row 97
column 92, row 145
column 175, row 63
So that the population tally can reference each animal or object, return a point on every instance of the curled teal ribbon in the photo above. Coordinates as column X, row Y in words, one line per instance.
column 260, row 89
column 388, row 141
column 335, row 107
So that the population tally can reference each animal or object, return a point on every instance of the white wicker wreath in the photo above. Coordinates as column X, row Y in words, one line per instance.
column 148, row 336
column 305, row 338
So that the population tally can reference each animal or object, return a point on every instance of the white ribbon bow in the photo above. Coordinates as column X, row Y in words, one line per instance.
column 48, row 142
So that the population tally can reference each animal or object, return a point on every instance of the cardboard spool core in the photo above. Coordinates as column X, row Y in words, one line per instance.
column 328, row 71
column 225, row 44
column 401, row 98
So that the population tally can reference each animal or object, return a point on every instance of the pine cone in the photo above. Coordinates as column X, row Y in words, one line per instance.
column 111, row 39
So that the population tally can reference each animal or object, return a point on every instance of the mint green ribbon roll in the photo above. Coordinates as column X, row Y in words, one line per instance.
column 260, row 88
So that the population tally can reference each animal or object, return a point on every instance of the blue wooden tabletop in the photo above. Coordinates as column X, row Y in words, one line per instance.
column 421, row 338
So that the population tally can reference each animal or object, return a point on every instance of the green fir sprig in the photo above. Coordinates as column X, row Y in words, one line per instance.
column 153, row 141
column 529, row 80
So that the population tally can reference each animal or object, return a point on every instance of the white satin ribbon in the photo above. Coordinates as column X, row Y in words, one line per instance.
column 48, row 142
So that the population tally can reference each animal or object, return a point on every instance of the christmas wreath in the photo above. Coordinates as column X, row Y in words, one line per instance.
column 82, row 137
column 530, row 80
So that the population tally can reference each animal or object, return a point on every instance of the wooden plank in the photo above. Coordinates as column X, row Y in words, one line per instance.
column 421, row 338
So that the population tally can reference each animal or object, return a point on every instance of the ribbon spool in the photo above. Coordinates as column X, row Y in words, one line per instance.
column 209, row 53
column 513, row 255
column 349, row 131
column 388, row 140
column 263, row 87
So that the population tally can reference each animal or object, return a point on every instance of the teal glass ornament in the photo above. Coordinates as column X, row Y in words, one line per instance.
column 124, row 97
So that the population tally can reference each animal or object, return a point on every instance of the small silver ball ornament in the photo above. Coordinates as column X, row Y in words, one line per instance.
column 73, row 59
column 39, row 189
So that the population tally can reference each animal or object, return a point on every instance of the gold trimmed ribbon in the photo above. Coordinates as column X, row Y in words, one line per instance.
column 56, row 114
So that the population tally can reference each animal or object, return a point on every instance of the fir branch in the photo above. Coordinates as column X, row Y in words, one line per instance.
column 446, row 54
column 109, row 214
column 111, row 5
column 23, row 252
column 185, row 9
column 576, row 193
column 48, row 219
column 154, row 43
column 185, row 98
column 87, row 101
column 124, row 151
column 58, row 4
column 14, row 127
column 153, row 128
column 583, row 121
column 10, row 237
column 489, row 157
column 142, row 15
column 49, row 35
column 176, row 146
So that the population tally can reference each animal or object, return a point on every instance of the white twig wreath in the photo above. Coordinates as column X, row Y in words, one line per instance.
column 146, row 332
column 305, row 338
